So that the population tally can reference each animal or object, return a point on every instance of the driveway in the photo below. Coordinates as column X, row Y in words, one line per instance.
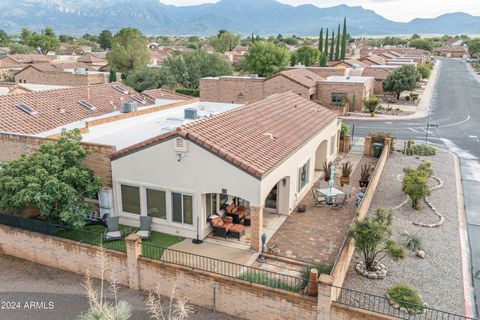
column 455, row 109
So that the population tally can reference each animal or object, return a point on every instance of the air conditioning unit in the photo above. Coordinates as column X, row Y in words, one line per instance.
column 105, row 202
column 129, row 106
column 180, row 145
column 190, row 113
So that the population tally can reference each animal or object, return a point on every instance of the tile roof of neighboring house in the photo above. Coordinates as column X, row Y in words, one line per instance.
column 451, row 49
column 164, row 94
column 31, row 58
column 59, row 107
column 90, row 58
column 378, row 73
column 349, row 62
column 271, row 130
column 56, row 67
column 374, row 59
column 301, row 76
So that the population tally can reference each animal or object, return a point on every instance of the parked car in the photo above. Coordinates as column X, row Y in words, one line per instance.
column 471, row 60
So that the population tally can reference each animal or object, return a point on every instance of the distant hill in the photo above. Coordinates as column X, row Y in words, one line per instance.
column 241, row 16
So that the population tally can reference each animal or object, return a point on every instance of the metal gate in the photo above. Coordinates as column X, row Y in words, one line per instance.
column 357, row 145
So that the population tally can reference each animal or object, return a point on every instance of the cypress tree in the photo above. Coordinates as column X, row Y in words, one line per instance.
column 337, row 48
column 323, row 59
column 253, row 38
column 326, row 43
column 320, row 41
column 343, row 53
column 332, row 48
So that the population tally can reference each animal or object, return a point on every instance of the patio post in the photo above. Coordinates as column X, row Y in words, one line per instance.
column 324, row 302
column 256, row 228
column 133, row 245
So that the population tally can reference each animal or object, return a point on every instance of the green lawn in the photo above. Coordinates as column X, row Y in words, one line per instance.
column 94, row 235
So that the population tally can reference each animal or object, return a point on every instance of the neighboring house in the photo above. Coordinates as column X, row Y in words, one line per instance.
column 379, row 73
column 16, row 62
column 305, row 82
column 59, row 74
column 372, row 60
column 4, row 51
column 349, row 63
column 452, row 52
column 164, row 94
column 185, row 175
column 74, row 51
column 95, row 60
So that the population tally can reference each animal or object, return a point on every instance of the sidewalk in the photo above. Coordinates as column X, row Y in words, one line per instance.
column 423, row 106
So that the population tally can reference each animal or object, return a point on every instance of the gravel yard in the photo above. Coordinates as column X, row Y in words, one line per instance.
column 438, row 277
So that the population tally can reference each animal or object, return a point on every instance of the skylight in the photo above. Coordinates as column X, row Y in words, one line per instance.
column 138, row 99
column 120, row 89
column 26, row 109
column 87, row 105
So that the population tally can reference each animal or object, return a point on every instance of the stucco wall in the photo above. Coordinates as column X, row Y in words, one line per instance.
column 232, row 89
column 360, row 91
column 280, row 84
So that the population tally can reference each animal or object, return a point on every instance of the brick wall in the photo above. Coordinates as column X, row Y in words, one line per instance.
column 342, row 312
column 12, row 146
column 32, row 75
column 232, row 89
column 280, row 84
column 356, row 93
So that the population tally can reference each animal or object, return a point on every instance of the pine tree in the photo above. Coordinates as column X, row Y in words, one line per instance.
column 320, row 41
column 326, row 43
column 332, row 48
column 337, row 48
column 343, row 53
column 253, row 38
column 113, row 75
column 323, row 60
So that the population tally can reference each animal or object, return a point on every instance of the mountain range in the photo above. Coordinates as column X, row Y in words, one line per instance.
column 264, row 17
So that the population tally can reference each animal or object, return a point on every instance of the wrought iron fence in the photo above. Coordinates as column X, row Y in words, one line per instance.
column 386, row 306
column 225, row 268
column 28, row 224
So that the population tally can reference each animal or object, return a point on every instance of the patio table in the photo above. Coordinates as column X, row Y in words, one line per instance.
column 330, row 193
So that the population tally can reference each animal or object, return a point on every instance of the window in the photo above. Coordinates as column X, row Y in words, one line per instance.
column 182, row 208
column 303, row 176
column 130, row 199
column 156, row 204
column 338, row 98
column 211, row 204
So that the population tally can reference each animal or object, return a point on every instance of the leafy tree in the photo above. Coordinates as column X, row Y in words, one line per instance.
column 25, row 35
column 129, row 50
column 266, row 58
column 225, row 41
column 332, row 47
column 421, row 44
column 337, row 48
column 90, row 37
column 291, row 41
column 343, row 49
column 18, row 48
column 371, row 104
column 188, row 67
column 416, row 36
column 320, row 41
column 473, row 46
column 45, row 42
column 425, row 70
column 404, row 78
column 112, row 77
column 105, row 39
column 306, row 55
column 326, row 44
column 65, row 38
column 145, row 78
column 4, row 39
column 373, row 238
column 415, row 183
column 52, row 180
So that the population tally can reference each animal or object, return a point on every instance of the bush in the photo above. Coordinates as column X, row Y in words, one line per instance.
column 407, row 98
column 344, row 131
column 421, row 150
column 415, row 183
column 425, row 70
column 412, row 241
column 407, row 297
column 188, row 92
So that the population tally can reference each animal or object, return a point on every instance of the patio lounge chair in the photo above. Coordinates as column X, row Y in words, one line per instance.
column 248, row 219
column 236, row 231
column 221, row 226
column 113, row 232
column 237, row 213
column 145, row 227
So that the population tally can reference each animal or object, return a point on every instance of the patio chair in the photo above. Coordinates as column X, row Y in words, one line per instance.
column 340, row 201
column 113, row 232
column 237, row 213
column 145, row 227
column 221, row 226
column 347, row 190
column 317, row 198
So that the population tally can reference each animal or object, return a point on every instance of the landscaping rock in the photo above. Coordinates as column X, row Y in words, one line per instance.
column 421, row 254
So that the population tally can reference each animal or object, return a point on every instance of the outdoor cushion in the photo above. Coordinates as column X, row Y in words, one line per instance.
column 114, row 234
column 144, row 234
column 237, row 228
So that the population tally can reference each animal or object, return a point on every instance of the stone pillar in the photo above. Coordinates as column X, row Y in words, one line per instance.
column 387, row 144
column 312, row 287
column 368, row 146
column 133, row 244
column 345, row 144
column 256, row 228
column 324, row 302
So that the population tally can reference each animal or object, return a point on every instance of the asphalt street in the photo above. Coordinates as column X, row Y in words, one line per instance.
column 455, row 109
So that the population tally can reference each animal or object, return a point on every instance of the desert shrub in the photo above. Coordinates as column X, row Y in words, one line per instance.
column 407, row 297
column 415, row 183
column 412, row 241
column 422, row 150
column 407, row 98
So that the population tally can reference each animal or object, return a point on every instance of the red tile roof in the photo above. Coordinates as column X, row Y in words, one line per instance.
column 91, row 58
column 164, row 94
column 59, row 107
column 255, row 137
column 378, row 73
column 301, row 76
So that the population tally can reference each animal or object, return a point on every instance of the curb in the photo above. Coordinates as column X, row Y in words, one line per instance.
column 421, row 114
column 468, row 291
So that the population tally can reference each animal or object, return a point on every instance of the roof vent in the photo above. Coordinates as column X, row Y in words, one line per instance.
column 26, row 109
column 129, row 106
column 190, row 113
column 180, row 145
column 120, row 89
column 269, row 135
column 87, row 105
column 253, row 75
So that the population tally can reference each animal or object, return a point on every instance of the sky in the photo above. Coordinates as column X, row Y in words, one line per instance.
column 396, row 10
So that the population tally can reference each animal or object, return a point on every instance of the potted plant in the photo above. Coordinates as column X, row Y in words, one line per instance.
column 365, row 173
column 346, row 172
column 327, row 166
